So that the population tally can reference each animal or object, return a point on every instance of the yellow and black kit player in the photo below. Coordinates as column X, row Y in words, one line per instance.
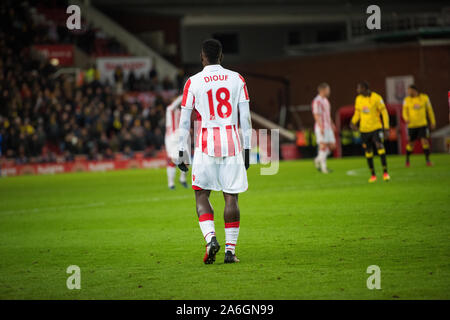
column 419, row 116
column 373, row 118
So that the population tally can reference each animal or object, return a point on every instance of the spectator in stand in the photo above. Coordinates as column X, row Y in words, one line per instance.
column 131, row 80
column 52, row 34
column 89, row 75
column 127, row 153
column 180, row 79
column 118, row 74
column 153, row 74
column 158, row 138
column 167, row 84
column 118, row 79
column 153, row 78
column 138, row 133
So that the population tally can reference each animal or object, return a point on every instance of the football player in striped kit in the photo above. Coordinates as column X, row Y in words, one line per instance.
column 171, row 142
column 323, row 127
column 220, row 100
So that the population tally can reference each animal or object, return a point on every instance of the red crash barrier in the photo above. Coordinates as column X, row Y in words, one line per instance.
column 80, row 166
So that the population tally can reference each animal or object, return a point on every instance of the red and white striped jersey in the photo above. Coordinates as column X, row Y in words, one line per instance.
column 173, row 116
column 321, row 107
column 215, row 93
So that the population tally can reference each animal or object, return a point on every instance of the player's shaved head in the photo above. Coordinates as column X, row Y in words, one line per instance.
column 323, row 89
column 322, row 86
column 212, row 51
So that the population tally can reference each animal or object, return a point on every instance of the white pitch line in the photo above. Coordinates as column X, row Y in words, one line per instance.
column 358, row 171
column 354, row 172
column 80, row 206
column 95, row 204
column 155, row 199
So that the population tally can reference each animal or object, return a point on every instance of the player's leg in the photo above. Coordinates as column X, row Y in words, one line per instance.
column 316, row 159
column 426, row 150
column 330, row 145
column 368, row 153
column 424, row 139
column 232, row 181
column 409, row 150
column 171, row 171
column 319, row 141
column 183, row 179
column 232, row 219
column 382, row 153
column 410, row 145
column 322, row 157
column 205, row 214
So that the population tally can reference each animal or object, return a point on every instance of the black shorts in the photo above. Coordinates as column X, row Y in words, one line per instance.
column 369, row 139
column 417, row 133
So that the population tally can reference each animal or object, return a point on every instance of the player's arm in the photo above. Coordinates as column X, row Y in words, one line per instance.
column 356, row 116
column 405, row 111
column 430, row 113
column 384, row 114
column 246, row 127
column 245, row 121
column 187, row 104
column 171, row 107
column 175, row 103
column 333, row 125
column 317, row 115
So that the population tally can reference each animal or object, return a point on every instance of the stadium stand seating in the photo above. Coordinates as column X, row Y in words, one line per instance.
column 45, row 119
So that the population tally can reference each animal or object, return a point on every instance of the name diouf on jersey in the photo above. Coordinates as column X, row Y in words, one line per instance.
column 219, row 77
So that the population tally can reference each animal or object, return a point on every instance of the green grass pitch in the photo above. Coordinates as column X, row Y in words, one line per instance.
column 304, row 235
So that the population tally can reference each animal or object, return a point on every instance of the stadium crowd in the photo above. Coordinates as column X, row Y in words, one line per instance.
column 47, row 119
column 49, row 27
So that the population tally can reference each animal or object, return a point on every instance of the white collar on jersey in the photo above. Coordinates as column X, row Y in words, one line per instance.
column 212, row 67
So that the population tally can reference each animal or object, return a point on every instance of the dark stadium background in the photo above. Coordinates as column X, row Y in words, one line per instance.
column 56, row 111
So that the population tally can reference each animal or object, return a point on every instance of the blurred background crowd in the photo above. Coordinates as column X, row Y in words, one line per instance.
column 45, row 118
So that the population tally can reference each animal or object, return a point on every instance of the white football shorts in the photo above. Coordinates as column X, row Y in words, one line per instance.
column 225, row 174
column 326, row 137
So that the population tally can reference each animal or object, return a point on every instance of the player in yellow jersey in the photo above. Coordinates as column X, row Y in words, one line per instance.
column 369, row 109
column 418, row 114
